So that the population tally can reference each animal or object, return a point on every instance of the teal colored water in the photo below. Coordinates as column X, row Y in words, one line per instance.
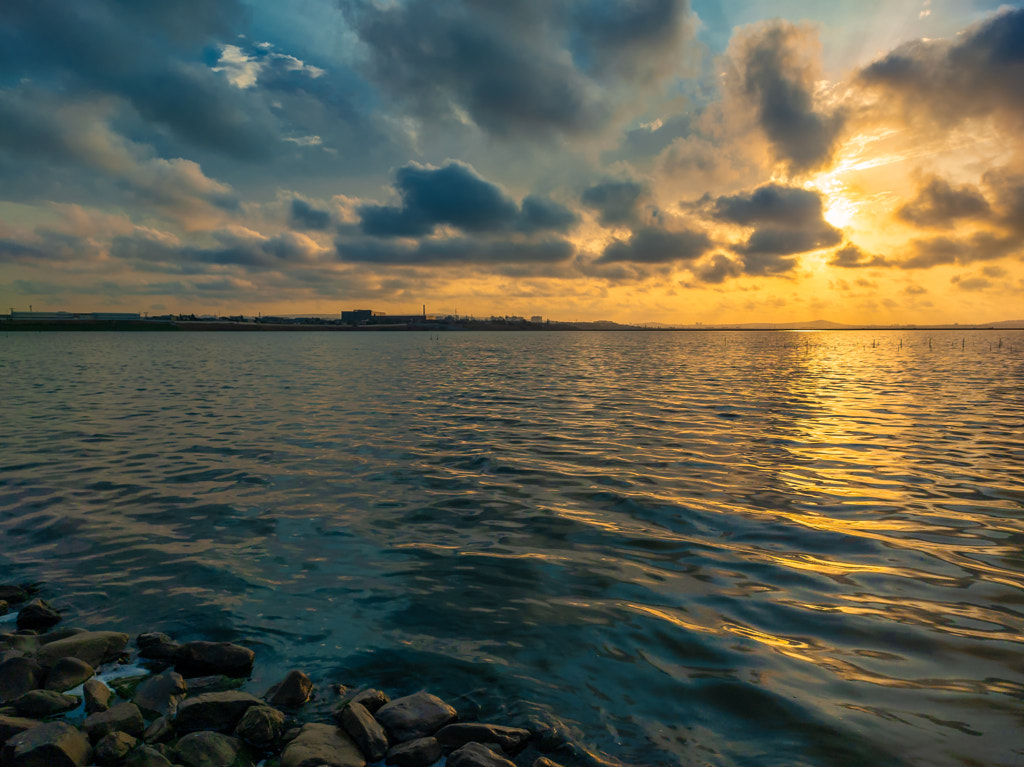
column 671, row 548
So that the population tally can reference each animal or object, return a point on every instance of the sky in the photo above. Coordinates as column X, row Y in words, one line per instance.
column 860, row 161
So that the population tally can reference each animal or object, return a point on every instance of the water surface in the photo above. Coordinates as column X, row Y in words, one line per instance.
column 669, row 548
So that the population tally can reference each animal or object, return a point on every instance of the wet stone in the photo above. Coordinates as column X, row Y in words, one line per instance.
column 97, row 696
column 124, row 717
column 202, row 658
column 113, row 748
column 161, row 694
column 157, row 646
column 19, row 675
column 67, row 673
column 476, row 755
column 322, row 745
column 14, row 725
column 62, row 633
column 4, row 607
column 37, row 615
column 212, row 749
column 159, row 730
column 38, row 704
column 146, row 756
column 415, row 716
column 220, row 711
column 56, row 744
column 511, row 740
column 13, row 594
column 200, row 685
column 421, row 752
column 543, row 761
column 291, row 692
column 371, row 699
column 93, row 647
column 261, row 726
column 365, row 731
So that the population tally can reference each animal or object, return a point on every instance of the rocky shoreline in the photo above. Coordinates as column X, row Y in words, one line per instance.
column 71, row 697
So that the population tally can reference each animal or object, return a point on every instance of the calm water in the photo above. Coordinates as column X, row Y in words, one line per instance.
column 670, row 548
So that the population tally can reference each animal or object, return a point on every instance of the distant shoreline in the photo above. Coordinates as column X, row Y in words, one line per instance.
column 145, row 325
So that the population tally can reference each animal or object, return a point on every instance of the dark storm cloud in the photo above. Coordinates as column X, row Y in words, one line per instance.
column 305, row 216
column 649, row 245
column 455, row 251
column 981, row 72
column 983, row 246
column 789, row 242
column 940, row 205
column 776, row 78
column 719, row 269
column 457, row 195
column 852, row 257
column 627, row 38
column 617, row 202
column 1007, row 190
column 249, row 251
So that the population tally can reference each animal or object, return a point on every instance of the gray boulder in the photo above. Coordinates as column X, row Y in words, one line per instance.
column 291, row 692
column 261, row 726
column 97, row 696
column 220, row 711
column 123, row 717
column 18, row 675
column 370, row 699
column 476, row 755
column 67, row 673
column 421, row 752
column 38, row 704
column 146, row 756
column 365, row 731
column 56, row 744
column 93, row 647
column 415, row 716
column 511, row 740
column 203, row 658
column 113, row 748
column 212, row 749
column 14, row 725
column 37, row 615
column 322, row 745
column 160, row 695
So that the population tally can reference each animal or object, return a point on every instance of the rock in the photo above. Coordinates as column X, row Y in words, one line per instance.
column 511, row 740
column 158, row 731
column 261, row 726
column 67, row 673
column 161, row 695
column 370, row 699
column 124, row 717
column 211, row 749
column 62, row 633
column 157, row 646
column 201, row 658
column 113, row 748
column 23, row 643
column 291, row 692
column 18, row 675
column 38, row 704
column 322, row 745
column 220, row 711
column 365, row 731
column 4, row 607
column 14, row 725
column 145, row 756
column 13, row 594
column 56, row 744
column 97, row 696
column 543, row 761
column 125, row 686
column 476, row 755
column 421, row 752
column 414, row 716
column 199, row 685
column 37, row 615
column 93, row 647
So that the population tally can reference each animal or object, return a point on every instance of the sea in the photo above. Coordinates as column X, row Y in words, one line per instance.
column 651, row 548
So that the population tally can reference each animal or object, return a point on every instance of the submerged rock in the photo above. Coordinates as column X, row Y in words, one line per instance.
column 19, row 675
column 93, row 647
column 37, row 615
column 157, row 646
column 415, row 716
column 67, row 673
column 322, row 745
column 124, row 717
column 37, row 704
column 291, row 692
column 97, row 696
column 202, row 658
column 220, row 711
column 14, row 594
column 476, row 755
column 56, row 744
column 421, row 752
column 511, row 740
column 161, row 694
column 365, row 731
column 212, row 749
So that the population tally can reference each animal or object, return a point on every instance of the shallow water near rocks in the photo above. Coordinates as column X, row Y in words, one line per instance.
column 674, row 548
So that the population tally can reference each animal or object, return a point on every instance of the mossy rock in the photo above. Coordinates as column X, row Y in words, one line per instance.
column 125, row 686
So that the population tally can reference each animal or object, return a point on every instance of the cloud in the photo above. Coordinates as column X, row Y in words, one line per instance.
column 971, row 283
column 776, row 71
column 650, row 245
column 981, row 72
column 939, row 205
column 305, row 216
column 456, row 195
column 981, row 246
column 852, row 257
column 718, row 269
column 454, row 251
column 616, row 201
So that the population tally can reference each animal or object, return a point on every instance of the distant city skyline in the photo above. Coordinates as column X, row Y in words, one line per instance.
column 664, row 161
